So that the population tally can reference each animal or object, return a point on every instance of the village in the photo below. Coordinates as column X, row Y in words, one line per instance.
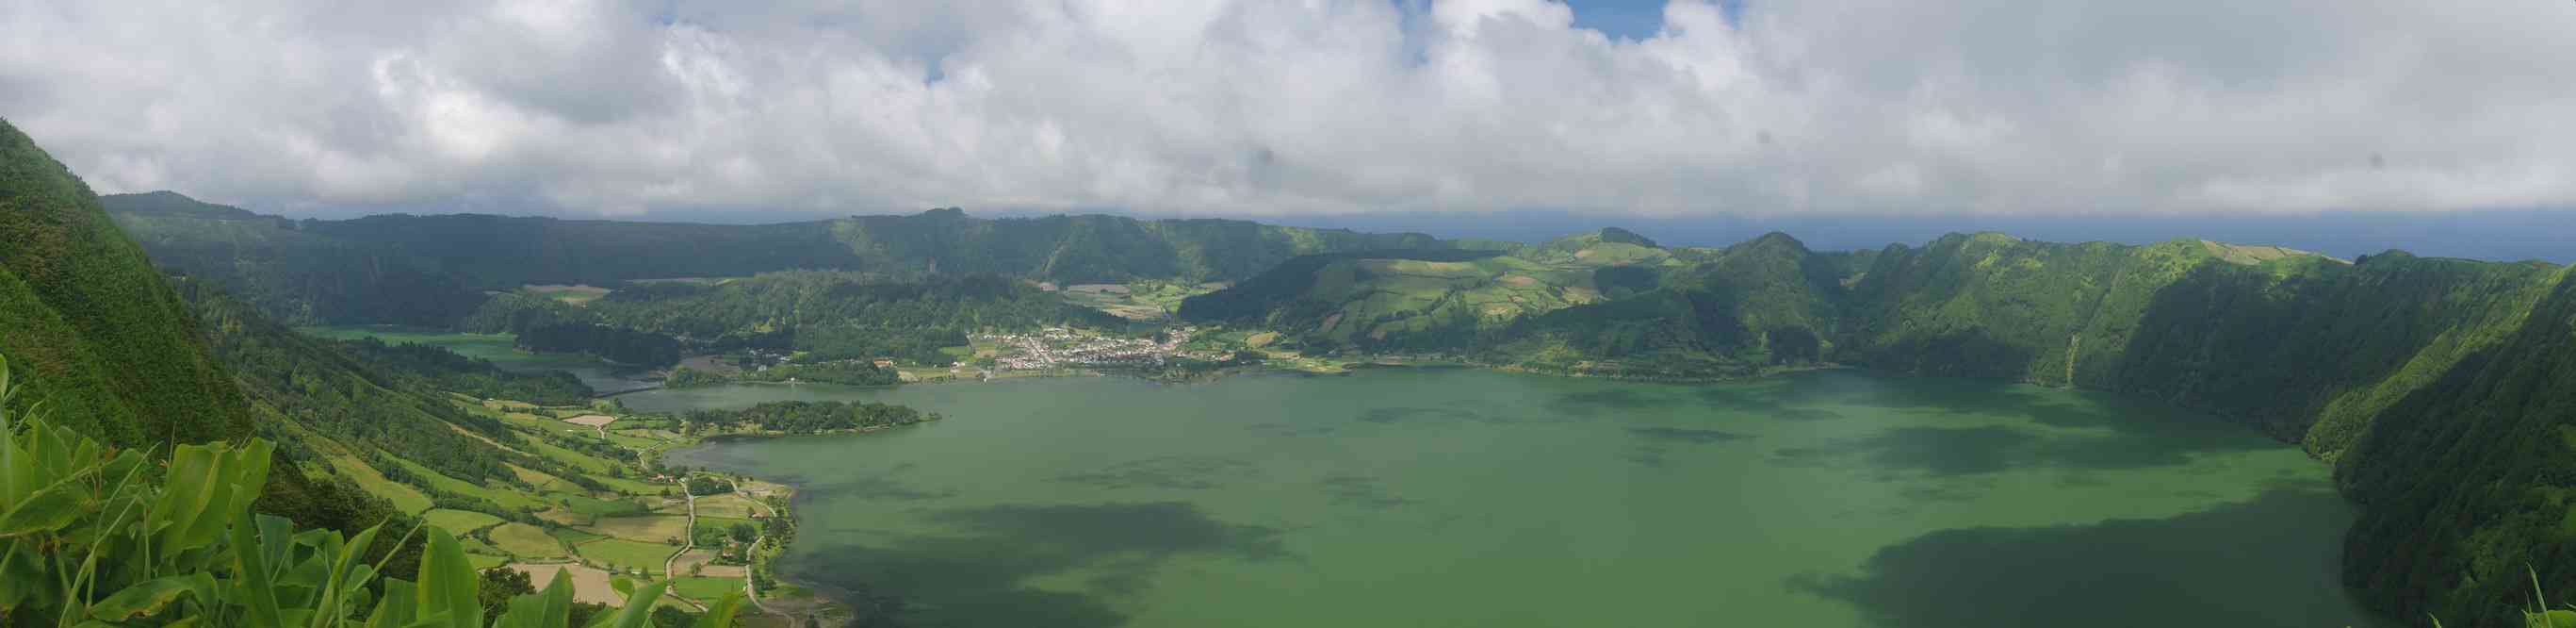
column 1058, row 348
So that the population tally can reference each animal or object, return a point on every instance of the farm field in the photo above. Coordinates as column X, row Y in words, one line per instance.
column 459, row 521
column 627, row 556
column 597, row 512
column 524, row 541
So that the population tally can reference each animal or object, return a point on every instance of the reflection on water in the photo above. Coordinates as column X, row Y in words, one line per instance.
column 601, row 376
column 1407, row 498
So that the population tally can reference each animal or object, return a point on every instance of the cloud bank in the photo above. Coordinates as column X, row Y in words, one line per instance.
column 1297, row 107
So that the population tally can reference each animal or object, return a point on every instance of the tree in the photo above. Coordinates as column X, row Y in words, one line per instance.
column 703, row 486
column 498, row 586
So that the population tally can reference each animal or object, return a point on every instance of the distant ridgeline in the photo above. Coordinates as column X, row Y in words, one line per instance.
column 433, row 270
column 2443, row 390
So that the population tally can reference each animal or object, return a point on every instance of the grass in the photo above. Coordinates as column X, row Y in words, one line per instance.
column 728, row 505
column 632, row 486
column 588, row 506
column 722, row 523
column 537, row 479
column 404, row 497
column 574, row 459
column 572, row 294
column 575, row 537
column 705, row 589
column 562, row 516
column 524, row 541
column 459, row 521
column 652, row 528
column 623, row 554
column 507, row 499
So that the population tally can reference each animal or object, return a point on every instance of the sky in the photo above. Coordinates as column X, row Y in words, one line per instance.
column 1455, row 112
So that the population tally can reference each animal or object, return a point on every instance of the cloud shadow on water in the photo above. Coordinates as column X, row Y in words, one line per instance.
column 874, row 488
column 1687, row 436
column 1597, row 402
column 1391, row 416
column 1361, row 492
column 2268, row 561
column 1956, row 451
column 977, row 574
column 1167, row 472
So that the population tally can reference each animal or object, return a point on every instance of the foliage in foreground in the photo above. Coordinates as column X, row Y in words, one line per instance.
column 89, row 538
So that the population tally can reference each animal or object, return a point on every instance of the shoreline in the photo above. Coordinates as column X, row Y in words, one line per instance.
column 855, row 603
column 828, row 609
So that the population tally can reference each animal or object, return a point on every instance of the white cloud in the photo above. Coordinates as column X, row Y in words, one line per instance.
column 1291, row 106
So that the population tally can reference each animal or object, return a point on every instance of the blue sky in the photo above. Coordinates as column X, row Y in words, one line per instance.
column 1631, row 19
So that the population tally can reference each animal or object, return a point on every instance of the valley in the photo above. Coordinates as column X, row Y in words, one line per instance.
column 2393, row 428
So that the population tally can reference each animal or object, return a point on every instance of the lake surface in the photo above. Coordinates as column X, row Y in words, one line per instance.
column 1473, row 498
column 502, row 350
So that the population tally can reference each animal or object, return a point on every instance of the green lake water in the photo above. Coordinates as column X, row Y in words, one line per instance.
column 1473, row 498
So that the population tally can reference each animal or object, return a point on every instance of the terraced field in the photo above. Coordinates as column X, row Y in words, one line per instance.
column 595, row 514
column 626, row 556
column 650, row 528
column 524, row 541
column 459, row 521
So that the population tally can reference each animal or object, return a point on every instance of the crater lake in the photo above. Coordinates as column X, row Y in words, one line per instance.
column 1474, row 498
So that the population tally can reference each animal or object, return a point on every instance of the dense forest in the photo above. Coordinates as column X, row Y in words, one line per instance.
column 437, row 368
column 807, row 417
column 851, row 372
column 112, row 349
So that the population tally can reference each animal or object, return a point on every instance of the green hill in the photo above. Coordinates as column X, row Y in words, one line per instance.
column 103, row 341
column 1435, row 300
column 432, row 270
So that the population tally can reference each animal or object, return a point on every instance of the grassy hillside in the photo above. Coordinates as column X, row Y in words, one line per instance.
column 1435, row 299
column 99, row 336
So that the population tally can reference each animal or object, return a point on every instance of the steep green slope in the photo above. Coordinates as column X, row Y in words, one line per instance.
column 306, row 386
column 98, row 334
column 2466, row 480
column 291, row 274
column 1745, row 310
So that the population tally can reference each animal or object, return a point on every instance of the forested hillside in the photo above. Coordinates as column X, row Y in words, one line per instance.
column 433, row 270
column 96, row 334
column 825, row 315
